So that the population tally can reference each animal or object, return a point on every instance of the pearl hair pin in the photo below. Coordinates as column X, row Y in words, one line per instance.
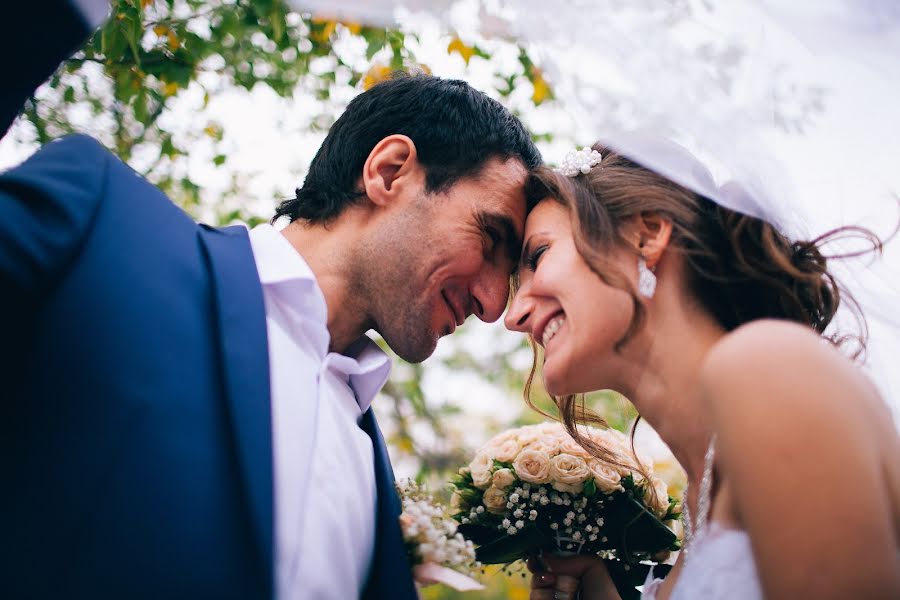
column 579, row 162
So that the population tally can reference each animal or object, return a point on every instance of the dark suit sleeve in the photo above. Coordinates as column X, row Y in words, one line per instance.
column 47, row 206
column 35, row 36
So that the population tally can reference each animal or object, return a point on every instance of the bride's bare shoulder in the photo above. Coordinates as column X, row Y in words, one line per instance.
column 771, row 365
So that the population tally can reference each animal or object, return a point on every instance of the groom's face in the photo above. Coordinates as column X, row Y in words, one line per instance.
column 446, row 256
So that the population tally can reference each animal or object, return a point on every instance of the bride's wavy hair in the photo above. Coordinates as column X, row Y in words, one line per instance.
column 740, row 268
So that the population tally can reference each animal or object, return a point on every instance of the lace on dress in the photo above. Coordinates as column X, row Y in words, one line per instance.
column 718, row 561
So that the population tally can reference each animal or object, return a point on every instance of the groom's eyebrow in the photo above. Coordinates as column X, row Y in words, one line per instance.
column 506, row 228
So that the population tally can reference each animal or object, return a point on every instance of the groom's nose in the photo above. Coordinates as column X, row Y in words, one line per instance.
column 489, row 296
column 519, row 312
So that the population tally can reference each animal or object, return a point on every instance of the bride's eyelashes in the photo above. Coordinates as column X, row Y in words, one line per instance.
column 533, row 257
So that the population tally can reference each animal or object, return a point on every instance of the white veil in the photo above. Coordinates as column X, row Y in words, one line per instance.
column 788, row 107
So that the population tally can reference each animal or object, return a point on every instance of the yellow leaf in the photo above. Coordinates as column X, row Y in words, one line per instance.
column 213, row 130
column 375, row 75
column 458, row 46
column 542, row 90
column 160, row 30
column 403, row 444
column 354, row 28
column 170, row 89
column 324, row 34
column 174, row 44
column 146, row 3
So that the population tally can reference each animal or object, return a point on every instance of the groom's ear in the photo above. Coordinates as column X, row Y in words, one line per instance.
column 390, row 169
column 654, row 233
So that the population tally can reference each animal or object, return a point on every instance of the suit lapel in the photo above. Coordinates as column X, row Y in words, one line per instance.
column 390, row 575
column 243, row 346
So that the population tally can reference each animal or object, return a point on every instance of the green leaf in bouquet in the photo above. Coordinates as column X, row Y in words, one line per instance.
column 510, row 548
column 480, row 534
column 590, row 488
column 639, row 530
column 463, row 480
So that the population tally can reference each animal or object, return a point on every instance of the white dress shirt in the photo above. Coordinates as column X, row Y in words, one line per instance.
column 323, row 462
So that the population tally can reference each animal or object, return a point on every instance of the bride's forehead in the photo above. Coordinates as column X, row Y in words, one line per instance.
column 546, row 214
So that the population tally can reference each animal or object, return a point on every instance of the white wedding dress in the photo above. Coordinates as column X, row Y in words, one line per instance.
column 720, row 565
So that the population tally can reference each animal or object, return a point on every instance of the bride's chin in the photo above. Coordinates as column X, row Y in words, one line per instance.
column 555, row 386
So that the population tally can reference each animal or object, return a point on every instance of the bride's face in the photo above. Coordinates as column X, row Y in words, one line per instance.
column 567, row 308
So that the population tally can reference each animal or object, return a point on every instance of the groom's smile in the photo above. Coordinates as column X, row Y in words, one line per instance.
column 453, row 252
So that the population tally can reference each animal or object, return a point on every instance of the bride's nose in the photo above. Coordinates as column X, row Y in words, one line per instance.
column 519, row 313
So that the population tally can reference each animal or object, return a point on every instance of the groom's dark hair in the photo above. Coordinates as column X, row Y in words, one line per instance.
column 455, row 128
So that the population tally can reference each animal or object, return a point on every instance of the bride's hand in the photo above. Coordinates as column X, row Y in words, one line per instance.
column 557, row 578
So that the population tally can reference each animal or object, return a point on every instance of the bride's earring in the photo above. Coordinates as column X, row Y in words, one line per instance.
column 646, row 279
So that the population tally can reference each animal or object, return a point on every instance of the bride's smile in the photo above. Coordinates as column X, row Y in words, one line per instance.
column 565, row 308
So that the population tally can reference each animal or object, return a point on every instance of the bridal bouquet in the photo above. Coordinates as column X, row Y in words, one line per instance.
column 535, row 490
column 437, row 552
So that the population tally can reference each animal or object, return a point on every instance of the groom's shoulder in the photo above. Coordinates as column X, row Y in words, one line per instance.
column 73, row 163
column 76, row 149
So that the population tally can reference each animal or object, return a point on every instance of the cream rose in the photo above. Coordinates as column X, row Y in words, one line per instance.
column 568, row 470
column 574, row 488
column 659, row 500
column 500, row 438
column 503, row 478
column 480, row 468
column 570, row 446
column 505, row 451
column 549, row 445
column 547, row 427
column 494, row 500
column 532, row 466
column 529, row 434
column 606, row 477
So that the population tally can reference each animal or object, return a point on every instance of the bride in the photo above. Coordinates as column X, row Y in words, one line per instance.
column 713, row 324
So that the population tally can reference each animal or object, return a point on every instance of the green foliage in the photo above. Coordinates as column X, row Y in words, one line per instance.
column 152, row 52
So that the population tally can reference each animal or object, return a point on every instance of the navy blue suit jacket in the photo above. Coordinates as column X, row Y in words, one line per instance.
column 34, row 38
column 135, row 436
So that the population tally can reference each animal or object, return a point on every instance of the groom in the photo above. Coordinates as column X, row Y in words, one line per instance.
column 186, row 409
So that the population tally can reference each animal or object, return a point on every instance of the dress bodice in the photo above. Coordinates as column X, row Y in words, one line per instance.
column 720, row 565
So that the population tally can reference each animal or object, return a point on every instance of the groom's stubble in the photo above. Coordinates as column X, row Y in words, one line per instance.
column 389, row 278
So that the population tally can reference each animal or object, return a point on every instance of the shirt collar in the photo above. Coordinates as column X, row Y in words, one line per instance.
column 368, row 368
column 278, row 263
